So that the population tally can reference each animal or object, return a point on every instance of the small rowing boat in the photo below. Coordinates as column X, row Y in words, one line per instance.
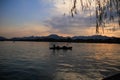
column 63, row 47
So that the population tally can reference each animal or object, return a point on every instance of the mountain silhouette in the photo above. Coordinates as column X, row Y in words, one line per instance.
column 57, row 38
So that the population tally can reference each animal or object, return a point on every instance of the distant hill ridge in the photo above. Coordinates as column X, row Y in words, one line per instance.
column 55, row 37
column 2, row 38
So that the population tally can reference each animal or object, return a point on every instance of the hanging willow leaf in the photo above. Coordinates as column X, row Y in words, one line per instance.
column 105, row 10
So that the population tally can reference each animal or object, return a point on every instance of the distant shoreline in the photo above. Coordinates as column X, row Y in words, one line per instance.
column 75, row 39
column 64, row 41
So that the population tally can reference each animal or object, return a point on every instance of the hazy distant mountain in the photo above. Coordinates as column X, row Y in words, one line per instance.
column 2, row 38
column 56, row 38
column 92, row 37
column 27, row 38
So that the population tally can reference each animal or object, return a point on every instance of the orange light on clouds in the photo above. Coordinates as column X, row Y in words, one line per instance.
column 42, row 30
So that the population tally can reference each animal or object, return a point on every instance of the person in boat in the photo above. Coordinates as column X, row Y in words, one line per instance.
column 64, row 47
column 58, row 47
column 54, row 46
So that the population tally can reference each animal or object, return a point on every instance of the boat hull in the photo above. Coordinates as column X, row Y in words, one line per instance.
column 63, row 48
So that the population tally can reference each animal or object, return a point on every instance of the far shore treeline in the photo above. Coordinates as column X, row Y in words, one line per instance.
column 56, row 38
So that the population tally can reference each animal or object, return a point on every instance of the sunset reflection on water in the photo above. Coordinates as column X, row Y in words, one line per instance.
column 34, row 60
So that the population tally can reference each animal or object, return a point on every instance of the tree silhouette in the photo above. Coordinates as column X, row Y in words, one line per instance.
column 107, row 11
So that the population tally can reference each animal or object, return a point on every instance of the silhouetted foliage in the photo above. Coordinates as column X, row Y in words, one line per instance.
column 106, row 11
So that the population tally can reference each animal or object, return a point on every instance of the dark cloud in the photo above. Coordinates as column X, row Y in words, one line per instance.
column 65, row 24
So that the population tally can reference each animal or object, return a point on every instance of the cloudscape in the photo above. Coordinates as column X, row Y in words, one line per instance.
column 43, row 17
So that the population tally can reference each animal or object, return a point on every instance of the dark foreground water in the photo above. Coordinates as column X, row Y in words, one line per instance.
column 34, row 61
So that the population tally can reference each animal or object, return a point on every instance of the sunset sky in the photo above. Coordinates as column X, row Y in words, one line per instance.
column 20, row 18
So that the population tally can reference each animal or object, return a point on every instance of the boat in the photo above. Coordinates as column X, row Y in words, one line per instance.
column 63, row 48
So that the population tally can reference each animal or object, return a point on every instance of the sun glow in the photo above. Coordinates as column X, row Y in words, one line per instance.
column 53, row 17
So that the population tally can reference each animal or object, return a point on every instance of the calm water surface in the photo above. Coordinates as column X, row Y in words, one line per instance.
column 34, row 61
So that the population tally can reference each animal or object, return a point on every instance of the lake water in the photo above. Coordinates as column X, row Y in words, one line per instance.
column 34, row 61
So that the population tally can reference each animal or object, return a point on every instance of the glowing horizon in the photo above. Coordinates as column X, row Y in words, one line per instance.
column 43, row 17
